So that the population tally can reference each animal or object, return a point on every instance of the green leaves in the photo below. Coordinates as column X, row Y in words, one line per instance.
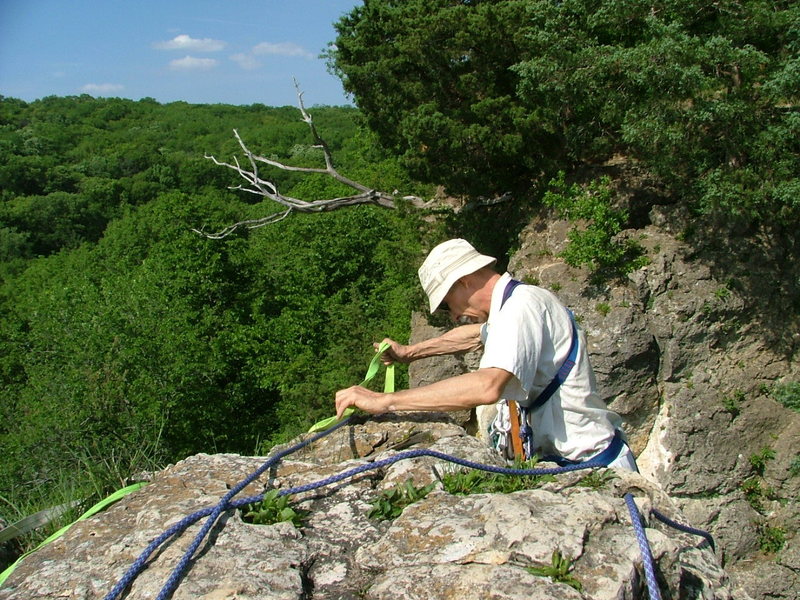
column 487, row 97
column 558, row 570
column 594, row 243
column 391, row 503
column 481, row 482
column 272, row 509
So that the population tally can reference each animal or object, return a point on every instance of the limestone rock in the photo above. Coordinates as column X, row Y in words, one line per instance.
column 686, row 350
column 444, row 546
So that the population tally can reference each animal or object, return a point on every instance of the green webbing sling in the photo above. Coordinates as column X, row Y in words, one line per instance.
column 372, row 370
column 93, row 510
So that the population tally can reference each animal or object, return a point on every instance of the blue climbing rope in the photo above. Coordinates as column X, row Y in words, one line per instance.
column 227, row 503
column 644, row 548
column 681, row 527
column 213, row 513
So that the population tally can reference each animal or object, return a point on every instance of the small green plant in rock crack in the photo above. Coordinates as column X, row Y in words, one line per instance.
column 771, row 539
column 794, row 468
column 597, row 479
column 391, row 502
column 755, row 494
column 759, row 460
column 558, row 571
column 603, row 308
column 482, row 482
column 721, row 293
column 274, row 508
column 733, row 404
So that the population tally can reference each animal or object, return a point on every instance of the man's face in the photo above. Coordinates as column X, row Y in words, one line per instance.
column 462, row 303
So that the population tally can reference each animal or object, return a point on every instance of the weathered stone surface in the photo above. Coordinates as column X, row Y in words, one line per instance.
column 686, row 350
column 445, row 546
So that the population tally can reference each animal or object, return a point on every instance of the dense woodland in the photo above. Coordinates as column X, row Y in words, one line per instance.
column 130, row 341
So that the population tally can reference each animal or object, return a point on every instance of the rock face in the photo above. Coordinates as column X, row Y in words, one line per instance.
column 445, row 546
column 687, row 349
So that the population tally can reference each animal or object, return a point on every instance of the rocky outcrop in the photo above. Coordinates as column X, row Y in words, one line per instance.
column 445, row 546
column 687, row 349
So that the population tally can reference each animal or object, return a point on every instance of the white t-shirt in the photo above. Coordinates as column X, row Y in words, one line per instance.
column 530, row 338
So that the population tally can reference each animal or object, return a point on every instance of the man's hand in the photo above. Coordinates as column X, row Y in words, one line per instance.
column 360, row 397
column 394, row 353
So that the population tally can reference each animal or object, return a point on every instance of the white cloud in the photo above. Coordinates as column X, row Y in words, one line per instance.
column 102, row 88
column 185, row 42
column 282, row 49
column 246, row 61
column 192, row 63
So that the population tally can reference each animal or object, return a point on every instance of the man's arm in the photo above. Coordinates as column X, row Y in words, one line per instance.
column 455, row 341
column 483, row 386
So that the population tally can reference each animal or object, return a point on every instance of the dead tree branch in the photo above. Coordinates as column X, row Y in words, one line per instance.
column 255, row 184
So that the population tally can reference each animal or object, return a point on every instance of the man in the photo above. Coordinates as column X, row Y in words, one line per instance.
column 530, row 345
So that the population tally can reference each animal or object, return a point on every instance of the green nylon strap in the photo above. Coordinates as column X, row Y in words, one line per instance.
column 92, row 511
column 372, row 370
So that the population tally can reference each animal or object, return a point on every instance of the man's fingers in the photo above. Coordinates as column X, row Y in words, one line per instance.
column 342, row 403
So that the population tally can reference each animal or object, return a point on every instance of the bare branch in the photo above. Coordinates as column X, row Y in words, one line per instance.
column 267, row 189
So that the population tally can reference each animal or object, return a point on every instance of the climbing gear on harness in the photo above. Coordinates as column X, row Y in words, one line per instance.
column 388, row 388
column 516, row 438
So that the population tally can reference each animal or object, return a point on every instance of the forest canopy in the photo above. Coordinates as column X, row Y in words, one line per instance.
column 486, row 96
column 129, row 340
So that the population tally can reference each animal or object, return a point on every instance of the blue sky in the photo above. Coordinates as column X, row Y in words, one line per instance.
column 200, row 51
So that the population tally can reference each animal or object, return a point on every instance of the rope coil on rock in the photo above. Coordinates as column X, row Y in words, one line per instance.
column 213, row 513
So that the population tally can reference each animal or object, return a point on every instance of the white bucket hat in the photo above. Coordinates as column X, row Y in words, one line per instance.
column 447, row 263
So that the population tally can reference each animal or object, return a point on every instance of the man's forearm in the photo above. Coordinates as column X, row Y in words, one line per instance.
column 483, row 386
column 455, row 393
column 457, row 340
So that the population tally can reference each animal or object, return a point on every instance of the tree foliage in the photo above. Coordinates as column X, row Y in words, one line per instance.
column 128, row 340
column 489, row 95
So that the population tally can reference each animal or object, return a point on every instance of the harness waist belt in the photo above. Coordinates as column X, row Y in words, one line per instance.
column 605, row 457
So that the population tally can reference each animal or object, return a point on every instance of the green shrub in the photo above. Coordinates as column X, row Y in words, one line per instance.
column 788, row 394
column 771, row 539
column 731, row 406
column 594, row 244
column 755, row 493
column 759, row 460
